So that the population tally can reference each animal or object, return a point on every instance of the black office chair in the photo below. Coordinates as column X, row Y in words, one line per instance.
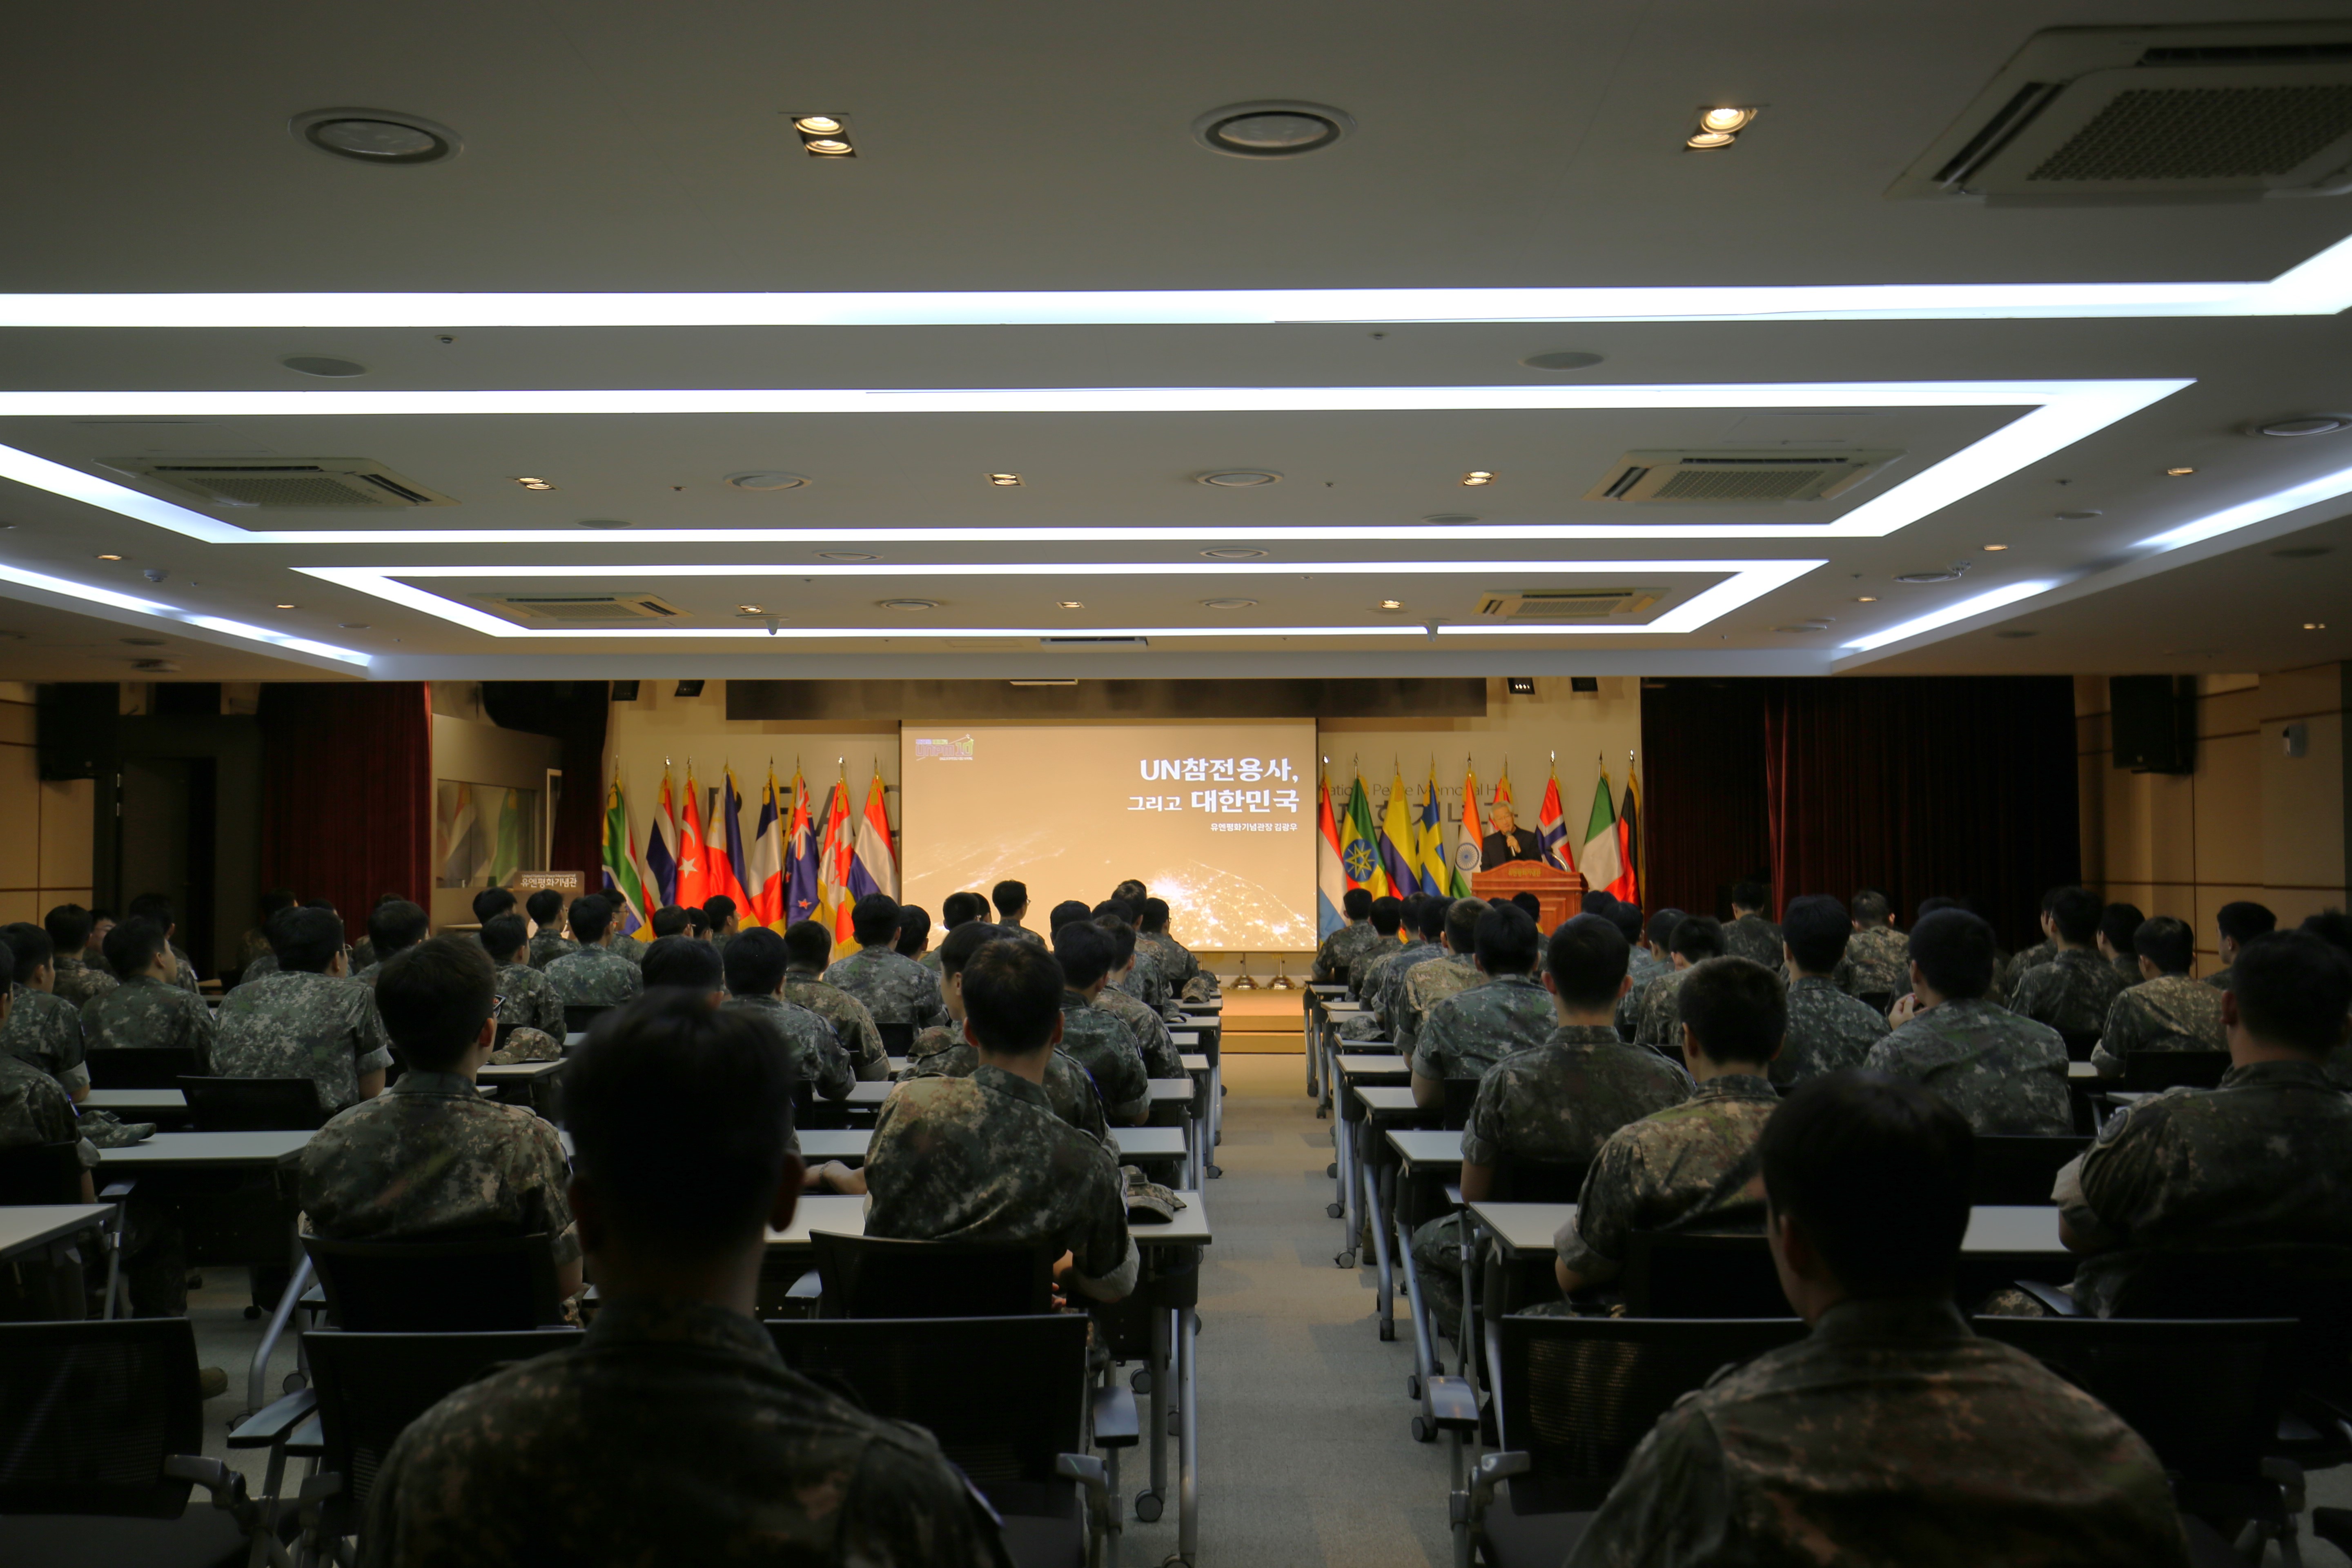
column 579, row 1017
column 2152, row 1072
column 140, row 1067
column 105, row 1425
column 41, row 1174
column 2079, row 1043
column 1878, row 1002
column 1461, row 1094
column 2015, row 1170
column 1718, row 1274
column 866, row 1276
column 1538, row 1181
column 51, row 1288
column 253, row 1104
column 475, row 1285
column 897, row 1038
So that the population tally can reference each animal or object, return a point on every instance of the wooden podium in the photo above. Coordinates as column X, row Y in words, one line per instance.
column 1561, row 892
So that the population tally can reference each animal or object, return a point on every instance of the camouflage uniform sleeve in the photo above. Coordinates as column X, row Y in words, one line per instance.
column 1593, row 1243
column 1483, row 1126
column 1325, row 965
column 2121, row 1035
column 1430, row 1056
column 1160, row 1057
column 835, row 1076
column 371, row 1048
column 2123, row 1174
column 1105, row 1249
column 546, row 1007
column 544, row 1177
column 202, row 1031
column 907, row 1508
column 930, row 1009
column 1673, row 1504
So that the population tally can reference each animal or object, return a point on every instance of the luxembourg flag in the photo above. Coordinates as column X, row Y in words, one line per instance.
column 661, row 858
column 693, row 878
column 873, row 864
column 726, row 859
column 803, row 895
column 1551, row 826
column 1331, row 876
column 1601, row 864
column 765, row 882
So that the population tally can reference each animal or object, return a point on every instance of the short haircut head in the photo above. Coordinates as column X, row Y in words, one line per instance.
column 1461, row 918
column 1954, row 950
column 685, row 962
column 1597, row 900
column 1696, row 937
column 808, row 942
column 1085, row 952
column 1748, row 895
column 1068, row 910
column 1627, row 917
column 153, row 907
column 1386, row 913
column 1356, row 903
column 719, row 909
column 275, row 899
column 1116, row 908
column 2119, row 923
column 1505, row 939
column 874, row 920
column 1870, row 908
column 1122, row 938
column 669, row 920
column 490, row 904
column 133, row 946
column 697, row 920
column 2332, row 927
column 2075, row 912
column 1013, row 993
column 2292, row 989
column 686, row 1187
column 914, row 929
column 2165, row 941
column 756, row 960
column 305, row 940
column 1433, row 911
column 2242, row 920
column 1130, row 891
column 1661, row 929
column 1008, row 896
column 1586, row 959
column 29, row 948
column 967, row 939
column 1875, row 1169
column 590, row 914
column 1934, row 901
column 434, row 996
column 962, row 908
column 1154, row 915
column 68, row 928
column 543, row 906
column 1815, row 928
column 1736, row 1008
column 503, row 936
column 393, row 926
column 1530, row 906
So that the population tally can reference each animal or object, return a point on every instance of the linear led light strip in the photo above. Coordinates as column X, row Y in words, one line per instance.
column 2320, row 286
column 1746, row 581
column 113, row 600
column 2058, row 414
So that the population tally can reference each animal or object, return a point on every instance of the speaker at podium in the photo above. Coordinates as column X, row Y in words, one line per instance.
column 1561, row 893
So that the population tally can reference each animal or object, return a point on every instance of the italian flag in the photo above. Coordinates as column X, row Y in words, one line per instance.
column 1602, row 865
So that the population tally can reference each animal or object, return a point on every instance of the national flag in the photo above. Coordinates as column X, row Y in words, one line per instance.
column 457, row 864
column 765, row 878
column 1359, row 844
column 834, row 852
column 693, row 870
column 803, row 890
column 1628, row 886
column 1435, row 867
column 873, row 864
column 1397, row 840
column 505, row 854
column 1551, row 826
column 661, row 848
column 623, row 880
column 1470, row 849
column 724, row 852
column 1330, row 877
column 1600, row 861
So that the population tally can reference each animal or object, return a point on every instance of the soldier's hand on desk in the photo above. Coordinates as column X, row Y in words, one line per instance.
column 833, row 1176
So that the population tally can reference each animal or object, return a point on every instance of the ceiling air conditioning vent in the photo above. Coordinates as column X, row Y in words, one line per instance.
column 302, row 482
column 2154, row 114
column 579, row 607
column 1735, row 476
column 1566, row 604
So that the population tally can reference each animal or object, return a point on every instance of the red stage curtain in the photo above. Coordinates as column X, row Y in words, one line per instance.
column 347, row 809
column 1703, row 809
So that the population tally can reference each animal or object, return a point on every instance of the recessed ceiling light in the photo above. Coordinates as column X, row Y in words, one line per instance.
column 1070, row 604
column 749, row 610
column 767, row 479
column 1946, row 574
column 1807, row 627
column 909, row 604
column 1564, row 359
column 353, row 626
column 1240, row 478
column 827, row 146
column 1227, row 604
column 1004, row 481
column 109, row 556
column 1996, row 547
column 1478, row 477
column 1392, row 605
column 1233, row 552
column 816, row 124
column 2013, row 635
column 1725, row 118
column 2077, row 515
column 2314, row 626
column 1866, row 599
column 2179, row 473
column 824, row 135
column 2301, row 552
column 289, row 606
column 2305, row 424
column 375, row 136
column 845, row 556
column 1706, row 140
column 1271, row 129
column 321, row 365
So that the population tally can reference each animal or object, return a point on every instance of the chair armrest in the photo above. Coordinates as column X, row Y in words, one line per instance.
column 1493, row 1470
column 213, row 1475
column 2059, row 1303
column 1089, row 1473
column 308, row 1441
column 1453, row 1405
column 269, row 1425
column 1453, row 1194
column 116, row 1192
column 807, row 1288
column 1116, row 1422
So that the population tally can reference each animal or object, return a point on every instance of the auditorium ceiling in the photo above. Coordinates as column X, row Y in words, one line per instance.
column 587, row 364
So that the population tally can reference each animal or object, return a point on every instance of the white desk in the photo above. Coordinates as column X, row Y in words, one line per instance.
column 848, row 1144
column 133, row 1104
column 515, row 1072
column 1521, row 1229
column 27, row 1225
column 210, row 1150
column 2079, row 1070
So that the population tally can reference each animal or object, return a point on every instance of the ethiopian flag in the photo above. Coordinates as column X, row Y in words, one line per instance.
column 1359, row 849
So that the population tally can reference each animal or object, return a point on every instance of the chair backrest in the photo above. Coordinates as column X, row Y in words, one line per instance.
column 1876, row 1001
column 141, row 1067
column 2011, row 1170
column 1536, row 1182
column 1671, row 1274
column 2206, row 1395
column 41, row 1174
column 371, row 1385
column 2079, row 1043
column 578, row 1016
column 253, row 1104
column 866, row 1277
column 2155, row 1071
column 93, row 1410
column 2311, row 1284
column 1461, row 1093
column 897, row 1038
column 1577, row 1394
column 1014, row 1398
column 473, row 1284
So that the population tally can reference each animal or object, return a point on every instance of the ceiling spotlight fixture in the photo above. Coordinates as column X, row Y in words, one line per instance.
column 530, row 483
column 1996, row 547
column 767, row 479
column 2179, row 473
column 1233, row 552
column 1946, row 574
column 845, row 556
column 1705, row 139
column 911, row 603
column 1391, row 603
column 1004, row 481
column 824, row 135
column 828, row 147
column 109, row 556
column 2305, row 424
column 1228, row 604
column 2077, row 515
column 816, row 124
column 289, row 606
column 749, row 610
column 1070, row 604
column 322, row 365
column 1478, row 477
column 1719, row 126
column 1271, row 129
column 1240, row 478
column 1565, row 359
column 603, row 523
column 2314, row 626
column 689, row 689
column 1866, row 599
column 375, row 136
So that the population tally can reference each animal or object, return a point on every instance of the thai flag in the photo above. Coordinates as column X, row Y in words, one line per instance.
column 661, row 858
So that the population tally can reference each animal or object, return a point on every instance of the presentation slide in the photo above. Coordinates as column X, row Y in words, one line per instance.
column 1216, row 818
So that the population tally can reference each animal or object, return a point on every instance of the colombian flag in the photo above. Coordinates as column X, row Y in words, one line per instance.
column 1397, row 840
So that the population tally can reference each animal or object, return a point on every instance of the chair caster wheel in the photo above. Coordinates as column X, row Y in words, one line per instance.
column 295, row 1384
column 1387, row 1334
column 1345, row 1260
column 1412, row 1385
column 1332, row 1210
column 1140, row 1380
column 1148, row 1506
column 1215, row 1172
column 252, row 1313
column 1332, row 1170
column 1174, row 1423
column 1422, row 1432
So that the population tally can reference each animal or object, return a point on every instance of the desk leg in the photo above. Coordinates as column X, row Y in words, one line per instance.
column 1314, row 1079
column 1216, row 1110
column 1375, row 1177
column 1343, row 1209
column 1148, row 1504
column 1188, row 1452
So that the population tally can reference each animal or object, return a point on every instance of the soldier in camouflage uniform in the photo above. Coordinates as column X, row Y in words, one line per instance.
column 956, row 912
column 1694, row 1163
column 527, row 999
column 1695, row 939
column 2167, row 1011
column 34, row 1111
column 807, row 944
column 943, row 1052
column 1186, row 979
column 1648, row 962
column 77, row 979
column 1388, row 1000
column 145, row 1008
column 2073, row 991
column 548, row 942
column 755, row 964
column 1877, row 961
column 2034, row 957
column 593, row 975
column 1750, row 935
column 394, row 926
column 1094, row 1037
column 157, row 907
column 2118, row 924
column 1338, row 952
column 431, row 1157
column 1432, row 983
column 1827, row 1029
column 2006, row 1075
column 894, row 988
column 1471, row 1030
column 1153, row 1040
column 1011, row 901
column 42, row 1028
column 307, row 1020
column 671, row 1431
column 2239, row 922
column 1388, row 919
column 1891, row 1434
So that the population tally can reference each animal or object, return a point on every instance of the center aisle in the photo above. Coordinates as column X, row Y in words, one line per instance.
column 1307, row 1455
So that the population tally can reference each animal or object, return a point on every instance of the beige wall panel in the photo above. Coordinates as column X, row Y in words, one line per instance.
column 66, row 852
column 2302, row 805
column 2228, row 792
column 2318, row 688
column 2124, row 835
column 2230, row 713
column 17, row 724
column 19, row 905
column 2171, row 828
column 20, row 800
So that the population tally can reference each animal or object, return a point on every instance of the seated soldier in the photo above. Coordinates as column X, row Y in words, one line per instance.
column 307, row 1020
column 1556, row 1103
column 1011, row 901
column 2238, row 923
column 146, row 1008
column 1389, row 1002
column 77, row 980
column 592, row 975
column 1094, row 1038
column 943, row 1051
column 1751, row 933
column 1696, row 939
column 2073, row 991
column 528, row 1005
column 157, row 907
column 1337, row 955
column 956, row 912
column 1891, row 1434
column 1650, row 958
column 254, row 958
column 1186, row 979
column 1161, row 1057
column 1432, row 983
column 915, row 935
column 807, row 944
column 671, row 1432
column 985, row 1158
column 721, row 921
column 2034, row 957
column 1692, row 1163
column 492, row 902
column 1878, row 956
column 1388, row 920
column 2258, row 1162
column 670, row 920
column 430, row 1157
column 1828, row 1029
column 43, row 1028
column 548, row 942
column 894, row 988
column 2006, row 1075
column 2118, row 924
column 1140, row 978
column 2165, row 1010
column 1472, row 1030
column 394, row 926
column 755, row 961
